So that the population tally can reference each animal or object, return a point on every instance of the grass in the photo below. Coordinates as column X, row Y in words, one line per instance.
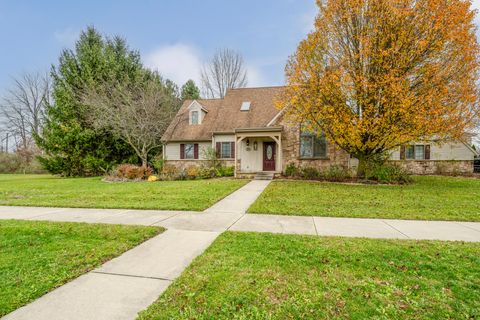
column 428, row 198
column 36, row 257
column 46, row 190
column 265, row 276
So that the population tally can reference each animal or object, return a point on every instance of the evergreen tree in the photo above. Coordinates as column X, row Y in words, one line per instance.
column 71, row 145
column 190, row 91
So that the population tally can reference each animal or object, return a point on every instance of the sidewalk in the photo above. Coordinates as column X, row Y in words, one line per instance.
column 131, row 282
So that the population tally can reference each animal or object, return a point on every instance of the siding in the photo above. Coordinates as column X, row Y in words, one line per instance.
column 172, row 150
column 446, row 151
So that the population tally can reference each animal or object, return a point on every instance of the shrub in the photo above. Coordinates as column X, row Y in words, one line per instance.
column 10, row 162
column 169, row 170
column 224, row 171
column 310, row 173
column 158, row 163
column 208, row 173
column 291, row 170
column 132, row 172
column 388, row 173
column 192, row 172
column 337, row 173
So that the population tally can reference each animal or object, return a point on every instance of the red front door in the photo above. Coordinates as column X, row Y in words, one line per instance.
column 269, row 156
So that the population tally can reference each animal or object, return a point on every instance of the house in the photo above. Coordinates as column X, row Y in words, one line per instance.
column 247, row 131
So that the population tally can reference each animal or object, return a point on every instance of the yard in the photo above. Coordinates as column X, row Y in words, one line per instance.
column 429, row 198
column 46, row 190
column 36, row 257
column 266, row 276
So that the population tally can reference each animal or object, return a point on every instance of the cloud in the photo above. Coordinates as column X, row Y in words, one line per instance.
column 67, row 37
column 255, row 77
column 178, row 62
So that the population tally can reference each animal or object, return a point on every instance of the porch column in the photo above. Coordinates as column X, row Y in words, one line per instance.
column 278, row 140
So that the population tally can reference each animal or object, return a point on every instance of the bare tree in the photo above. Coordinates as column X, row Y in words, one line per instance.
column 224, row 71
column 22, row 109
column 137, row 114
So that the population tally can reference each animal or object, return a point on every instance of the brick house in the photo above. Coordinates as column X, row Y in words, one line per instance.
column 247, row 131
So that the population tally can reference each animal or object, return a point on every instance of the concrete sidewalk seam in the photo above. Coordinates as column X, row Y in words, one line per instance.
column 465, row 226
column 395, row 229
column 130, row 275
column 165, row 219
column 235, row 222
column 315, row 225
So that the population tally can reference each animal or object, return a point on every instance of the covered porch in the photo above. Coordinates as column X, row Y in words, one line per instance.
column 258, row 150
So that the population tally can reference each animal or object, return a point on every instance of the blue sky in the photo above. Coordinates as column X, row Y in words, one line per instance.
column 175, row 37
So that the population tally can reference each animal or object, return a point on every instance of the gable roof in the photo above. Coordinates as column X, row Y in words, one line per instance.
column 224, row 115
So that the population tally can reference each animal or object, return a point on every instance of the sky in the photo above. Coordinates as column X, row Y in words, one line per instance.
column 174, row 37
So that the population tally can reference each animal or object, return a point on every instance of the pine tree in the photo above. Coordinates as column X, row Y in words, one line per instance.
column 71, row 145
column 190, row 91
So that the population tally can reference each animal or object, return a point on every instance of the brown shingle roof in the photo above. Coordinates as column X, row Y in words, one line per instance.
column 224, row 115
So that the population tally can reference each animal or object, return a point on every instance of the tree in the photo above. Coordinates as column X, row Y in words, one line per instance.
column 137, row 113
column 73, row 147
column 377, row 74
column 23, row 108
column 190, row 91
column 225, row 71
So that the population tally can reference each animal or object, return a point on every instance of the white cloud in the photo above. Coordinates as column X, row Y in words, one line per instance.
column 67, row 37
column 255, row 77
column 178, row 62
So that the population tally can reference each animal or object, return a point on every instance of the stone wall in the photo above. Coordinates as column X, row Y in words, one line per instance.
column 184, row 164
column 291, row 151
column 436, row 166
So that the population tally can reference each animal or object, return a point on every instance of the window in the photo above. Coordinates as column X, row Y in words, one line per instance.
column 189, row 151
column 194, row 117
column 225, row 150
column 415, row 152
column 312, row 145
column 245, row 106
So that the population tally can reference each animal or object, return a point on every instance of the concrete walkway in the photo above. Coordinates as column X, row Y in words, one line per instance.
column 130, row 283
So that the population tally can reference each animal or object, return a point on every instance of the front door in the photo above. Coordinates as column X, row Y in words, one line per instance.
column 269, row 156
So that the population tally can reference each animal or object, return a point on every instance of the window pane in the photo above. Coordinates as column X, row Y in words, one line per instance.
column 320, row 147
column 420, row 152
column 189, row 151
column 306, row 147
column 194, row 117
column 226, row 150
column 409, row 152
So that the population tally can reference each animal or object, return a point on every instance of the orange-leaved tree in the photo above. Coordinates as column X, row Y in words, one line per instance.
column 376, row 74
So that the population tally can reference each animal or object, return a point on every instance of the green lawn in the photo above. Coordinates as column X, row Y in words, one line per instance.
column 46, row 190
column 265, row 276
column 429, row 198
column 36, row 257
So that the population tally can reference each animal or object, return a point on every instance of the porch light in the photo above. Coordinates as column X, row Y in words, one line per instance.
column 255, row 145
column 248, row 142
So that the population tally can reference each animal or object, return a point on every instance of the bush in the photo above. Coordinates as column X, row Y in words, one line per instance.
column 224, row 171
column 15, row 163
column 158, row 163
column 310, row 173
column 132, row 172
column 291, row 170
column 337, row 173
column 388, row 173
column 192, row 172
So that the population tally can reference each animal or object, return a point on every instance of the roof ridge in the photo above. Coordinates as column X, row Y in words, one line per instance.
column 264, row 87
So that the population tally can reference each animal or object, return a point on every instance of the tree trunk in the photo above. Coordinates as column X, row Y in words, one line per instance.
column 144, row 160
column 362, row 166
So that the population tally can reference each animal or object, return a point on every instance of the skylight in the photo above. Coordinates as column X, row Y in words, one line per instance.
column 245, row 106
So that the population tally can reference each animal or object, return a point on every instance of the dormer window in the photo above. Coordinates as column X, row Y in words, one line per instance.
column 194, row 117
column 245, row 106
